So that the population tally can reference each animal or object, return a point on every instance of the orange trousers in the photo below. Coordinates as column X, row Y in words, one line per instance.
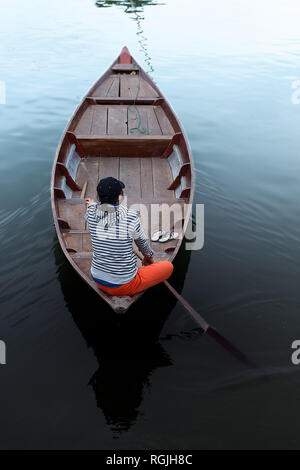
column 147, row 276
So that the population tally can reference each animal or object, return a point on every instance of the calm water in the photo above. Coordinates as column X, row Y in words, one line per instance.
column 76, row 375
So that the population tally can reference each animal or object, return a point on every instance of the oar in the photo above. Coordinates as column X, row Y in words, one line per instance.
column 212, row 332
column 83, row 190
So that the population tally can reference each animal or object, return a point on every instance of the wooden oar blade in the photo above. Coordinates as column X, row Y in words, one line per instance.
column 214, row 334
column 230, row 347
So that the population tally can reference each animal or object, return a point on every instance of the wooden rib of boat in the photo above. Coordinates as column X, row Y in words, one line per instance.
column 102, row 140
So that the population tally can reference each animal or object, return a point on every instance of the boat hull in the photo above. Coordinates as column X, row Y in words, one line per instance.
column 124, row 127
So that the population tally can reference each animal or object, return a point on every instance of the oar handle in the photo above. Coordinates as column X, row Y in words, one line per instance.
column 83, row 189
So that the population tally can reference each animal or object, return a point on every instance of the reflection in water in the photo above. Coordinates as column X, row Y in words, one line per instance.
column 135, row 7
column 119, row 382
column 126, row 346
column 132, row 6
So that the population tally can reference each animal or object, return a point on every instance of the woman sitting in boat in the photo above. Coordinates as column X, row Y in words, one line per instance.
column 113, row 227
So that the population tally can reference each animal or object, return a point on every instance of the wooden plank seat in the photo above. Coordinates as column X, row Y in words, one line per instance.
column 178, row 168
column 184, row 188
column 181, row 170
column 68, row 180
column 123, row 145
column 124, row 68
column 66, row 174
column 123, row 100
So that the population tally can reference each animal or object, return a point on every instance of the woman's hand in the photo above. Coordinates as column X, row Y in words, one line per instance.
column 89, row 201
column 147, row 261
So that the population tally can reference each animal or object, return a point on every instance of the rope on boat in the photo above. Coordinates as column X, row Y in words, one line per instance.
column 142, row 130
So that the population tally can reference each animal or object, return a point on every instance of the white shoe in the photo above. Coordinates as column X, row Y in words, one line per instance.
column 156, row 235
column 168, row 236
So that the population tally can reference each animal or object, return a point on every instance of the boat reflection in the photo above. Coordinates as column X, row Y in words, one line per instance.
column 131, row 6
column 135, row 8
column 126, row 346
column 119, row 383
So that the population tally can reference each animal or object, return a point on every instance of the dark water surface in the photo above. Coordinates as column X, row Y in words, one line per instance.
column 76, row 375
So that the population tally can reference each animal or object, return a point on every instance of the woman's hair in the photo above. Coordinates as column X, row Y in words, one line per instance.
column 108, row 199
column 109, row 190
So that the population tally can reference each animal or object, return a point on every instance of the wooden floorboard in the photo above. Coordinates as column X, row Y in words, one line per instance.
column 145, row 178
column 86, row 242
column 73, row 214
column 99, row 123
column 103, row 89
column 149, row 122
column 84, row 265
column 73, row 240
column 152, row 219
column 139, row 88
column 117, row 120
column 114, row 89
column 88, row 170
column 153, row 124
column 133, row 85
column 164, row 123
column 109, row 166
column 162, row 178
column 146, row 181
column 130, row 174
column 147, row 190
column 124, row 86
column 85, row 123
column 135, row 114
column 160, row 248
column 146, row 90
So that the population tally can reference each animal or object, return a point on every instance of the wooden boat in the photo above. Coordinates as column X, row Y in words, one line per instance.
column 124, row 127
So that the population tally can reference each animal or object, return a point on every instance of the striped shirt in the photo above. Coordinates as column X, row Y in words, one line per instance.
column 113, row 229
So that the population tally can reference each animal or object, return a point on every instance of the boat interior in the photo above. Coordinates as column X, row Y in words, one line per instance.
column 124, row 129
